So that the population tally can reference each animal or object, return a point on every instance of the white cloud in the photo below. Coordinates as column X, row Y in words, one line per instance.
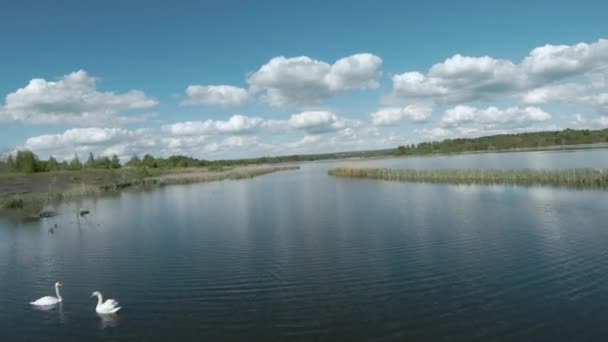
column 101, row 141
column 598, row 101
column 566, row 92
column 458, row 78
column 462, row 78
column 319, row 122
column 553, row 62
column 307, row 140
column 238, row 147
column 216, row 95
column 184, row 143
column 311, row 122
column 236, row 124
column 581, row 121
column 434, row 134
column 240, row 141
column 493, row 117
column 73, row 99
column 126, row 142
column 302, row 81
column 392, row 115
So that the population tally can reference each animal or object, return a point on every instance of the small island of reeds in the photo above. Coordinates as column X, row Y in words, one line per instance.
column 575, row 178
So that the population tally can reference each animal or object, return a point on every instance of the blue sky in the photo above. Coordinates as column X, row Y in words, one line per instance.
column 227, row 79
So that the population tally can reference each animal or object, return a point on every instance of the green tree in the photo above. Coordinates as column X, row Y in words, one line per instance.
column 75, row 164
column 103, row 163
column 10, row 162
column 115, row 162
column 52, row 164
column 26, row 161
column 149, row 161
column 90, row 163
column 134, row 161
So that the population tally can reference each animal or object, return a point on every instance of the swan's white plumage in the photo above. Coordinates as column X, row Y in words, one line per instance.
column 110, row 306
column 49, row 300
column 46, row 301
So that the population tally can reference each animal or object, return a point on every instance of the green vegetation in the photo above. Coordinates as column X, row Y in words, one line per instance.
column 578, row 178
column 27, row 162
column 24, row 195
column 508, row 142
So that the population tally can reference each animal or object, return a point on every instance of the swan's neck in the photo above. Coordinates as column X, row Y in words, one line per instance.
column 57, row 292
column 99, row 299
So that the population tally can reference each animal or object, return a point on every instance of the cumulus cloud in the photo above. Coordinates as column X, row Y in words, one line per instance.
column 216, row 95
column 393, row 115
column 127, row 142
column 102, row 141
column 493, row 117
column 73, row 99
column 581, row 121
column 462, row 79
column 319, row 122
column 311, row 122
column 566, row 92
column 598, row 101
column 553, row 62
column 236, row 124
column 301, row 81
column 307, row 140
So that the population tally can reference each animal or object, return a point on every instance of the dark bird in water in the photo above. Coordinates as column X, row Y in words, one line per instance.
column 52, row 229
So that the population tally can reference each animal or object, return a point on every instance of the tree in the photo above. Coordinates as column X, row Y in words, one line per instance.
column 115, row 162
column 26, row 161
column 149, row 161
column 90, row 163
column 134, row 161
column 75, row 164
column 52, row 164
column 10, row 162
column 103, row 163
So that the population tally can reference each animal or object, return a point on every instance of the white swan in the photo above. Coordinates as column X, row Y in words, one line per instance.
column 49, row 300
column 110, row 306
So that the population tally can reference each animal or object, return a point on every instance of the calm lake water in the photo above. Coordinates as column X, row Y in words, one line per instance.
column 299, row 255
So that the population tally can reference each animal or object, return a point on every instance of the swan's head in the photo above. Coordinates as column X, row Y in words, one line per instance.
column 96, row 294
column 58, row 284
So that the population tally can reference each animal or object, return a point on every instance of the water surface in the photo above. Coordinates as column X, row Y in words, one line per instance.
column 299, row 255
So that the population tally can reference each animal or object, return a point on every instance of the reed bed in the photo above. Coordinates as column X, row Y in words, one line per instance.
column 576, row 178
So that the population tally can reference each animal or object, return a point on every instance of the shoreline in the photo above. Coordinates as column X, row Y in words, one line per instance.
column 24, row 196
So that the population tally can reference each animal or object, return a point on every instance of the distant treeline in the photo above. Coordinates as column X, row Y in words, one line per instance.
column 26, row 161
column 508, row 141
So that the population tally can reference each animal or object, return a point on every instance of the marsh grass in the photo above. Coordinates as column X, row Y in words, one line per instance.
column 30, row 194
column 576, row 178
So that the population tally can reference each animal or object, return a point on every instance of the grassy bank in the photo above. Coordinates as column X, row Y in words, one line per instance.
column 577, row 178
column 24, row 195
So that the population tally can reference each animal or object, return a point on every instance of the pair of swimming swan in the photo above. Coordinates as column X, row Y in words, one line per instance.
column 110, row 306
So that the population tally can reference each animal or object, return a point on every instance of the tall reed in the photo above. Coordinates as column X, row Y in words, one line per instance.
column 579, row 178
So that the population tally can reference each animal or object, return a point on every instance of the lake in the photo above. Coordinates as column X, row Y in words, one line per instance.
column 300, row 255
